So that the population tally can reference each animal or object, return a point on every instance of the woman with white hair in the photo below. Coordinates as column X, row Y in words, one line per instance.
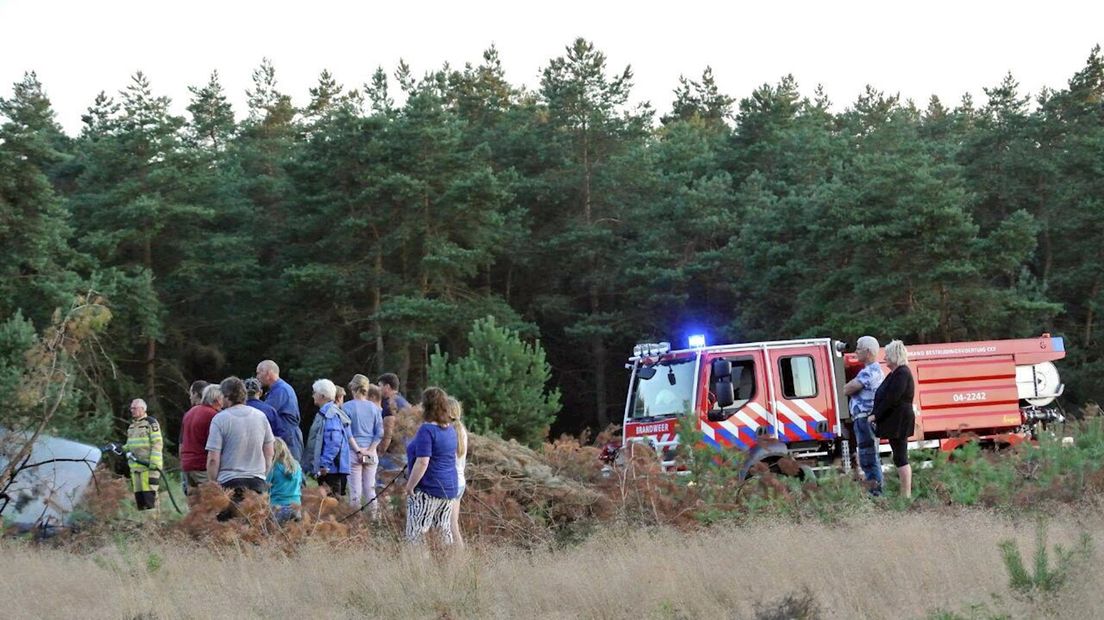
column 893, row 413
column 329, row 454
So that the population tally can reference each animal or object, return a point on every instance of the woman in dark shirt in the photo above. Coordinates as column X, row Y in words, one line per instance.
column 893, row 412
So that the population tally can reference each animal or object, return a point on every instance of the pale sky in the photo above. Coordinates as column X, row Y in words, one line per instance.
column 916, row 48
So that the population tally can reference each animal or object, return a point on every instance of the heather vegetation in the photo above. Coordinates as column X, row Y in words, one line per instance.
column 561, row 494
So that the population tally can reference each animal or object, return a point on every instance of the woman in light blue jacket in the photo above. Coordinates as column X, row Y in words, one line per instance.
column 329, row 462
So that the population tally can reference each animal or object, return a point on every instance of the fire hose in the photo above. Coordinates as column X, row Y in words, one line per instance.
column 401, row 474
column 115, row 448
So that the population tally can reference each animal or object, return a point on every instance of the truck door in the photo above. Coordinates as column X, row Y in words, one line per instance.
column 749, row 418
column 803, row 393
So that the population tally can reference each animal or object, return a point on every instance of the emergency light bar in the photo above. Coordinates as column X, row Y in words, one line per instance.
column 696, row 341
column 651, row 349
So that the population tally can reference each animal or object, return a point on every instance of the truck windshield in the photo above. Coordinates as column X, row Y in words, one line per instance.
column 669, row 392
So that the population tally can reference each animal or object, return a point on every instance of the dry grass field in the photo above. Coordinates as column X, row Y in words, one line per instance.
column 552, row 537
column 886, row 565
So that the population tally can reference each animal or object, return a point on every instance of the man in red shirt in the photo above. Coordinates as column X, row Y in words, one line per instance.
column 193, row 437
column 195, row 392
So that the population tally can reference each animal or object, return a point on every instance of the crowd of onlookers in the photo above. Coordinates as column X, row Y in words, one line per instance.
column 245, row 436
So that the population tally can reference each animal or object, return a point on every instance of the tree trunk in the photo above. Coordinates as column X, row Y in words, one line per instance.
column 587, row 216
column 151, row 371
column 377, row 300
column 151, row 342
column 425, row 365
column 944, row 314
column 599, row 351
column 1048, row 254
column 598, row 354
column 910, row 308
column 598, row 345
column 1090, row 315
column 426, row 245
column 600, row 404
column 404, row 369
column 1044, row 218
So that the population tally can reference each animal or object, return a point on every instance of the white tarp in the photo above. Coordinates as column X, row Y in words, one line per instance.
column 46, row 489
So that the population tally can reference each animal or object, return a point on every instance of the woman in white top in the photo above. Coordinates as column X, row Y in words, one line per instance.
column 457, row 412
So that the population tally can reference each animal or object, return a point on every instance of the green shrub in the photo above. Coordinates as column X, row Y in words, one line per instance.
column 969, row 475
column 502, row 382
column 1043, row 578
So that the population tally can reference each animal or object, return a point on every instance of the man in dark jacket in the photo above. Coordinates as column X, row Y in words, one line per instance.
column 253, row 392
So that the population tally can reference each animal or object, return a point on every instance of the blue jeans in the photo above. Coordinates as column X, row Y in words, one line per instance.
column 286, row 513
column 867, row 445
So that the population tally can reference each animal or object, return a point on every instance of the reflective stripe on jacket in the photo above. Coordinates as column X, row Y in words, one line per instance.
column 144, row 442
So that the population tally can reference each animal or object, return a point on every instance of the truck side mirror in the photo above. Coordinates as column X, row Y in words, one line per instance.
column 725, row 397
column 721, row 369
column 725, row 393
column 646, row 372
column 722, row 387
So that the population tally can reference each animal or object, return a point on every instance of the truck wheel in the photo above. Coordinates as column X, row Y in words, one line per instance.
column 768, row 454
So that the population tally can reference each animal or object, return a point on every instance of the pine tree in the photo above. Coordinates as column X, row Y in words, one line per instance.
column 212, row 124
column 1071, row 130
column 676, row 267
column 36, row 264
column 898, row 234
column 596, row 140
column 786, row 155
column 133, row 208
column 500, row 120
column 400, row 220
column 502, row 382
column 700, row 100
column 216, row 324
column 999, row 157
column 326, row 97
column 265, row 146
column 448, row 211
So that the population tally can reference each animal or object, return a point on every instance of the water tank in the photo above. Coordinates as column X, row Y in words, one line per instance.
column 1038, row 384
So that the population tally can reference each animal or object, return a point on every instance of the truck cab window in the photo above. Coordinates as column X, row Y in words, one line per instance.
column 743, row 382
column 798, row 376
column 669, row 391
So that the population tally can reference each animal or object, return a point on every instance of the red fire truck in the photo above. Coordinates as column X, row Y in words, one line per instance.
column 773, row 399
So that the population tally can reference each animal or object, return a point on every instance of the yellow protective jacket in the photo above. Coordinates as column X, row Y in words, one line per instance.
column 144, row 442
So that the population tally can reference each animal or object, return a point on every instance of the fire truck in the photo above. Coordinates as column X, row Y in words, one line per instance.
column 785, row 398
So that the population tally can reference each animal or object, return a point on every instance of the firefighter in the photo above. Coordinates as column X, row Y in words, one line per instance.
column 143, row 448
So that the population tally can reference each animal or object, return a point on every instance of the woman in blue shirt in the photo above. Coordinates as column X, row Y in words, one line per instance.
column 285, row 481
column 365, row 433
column 431, row 482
